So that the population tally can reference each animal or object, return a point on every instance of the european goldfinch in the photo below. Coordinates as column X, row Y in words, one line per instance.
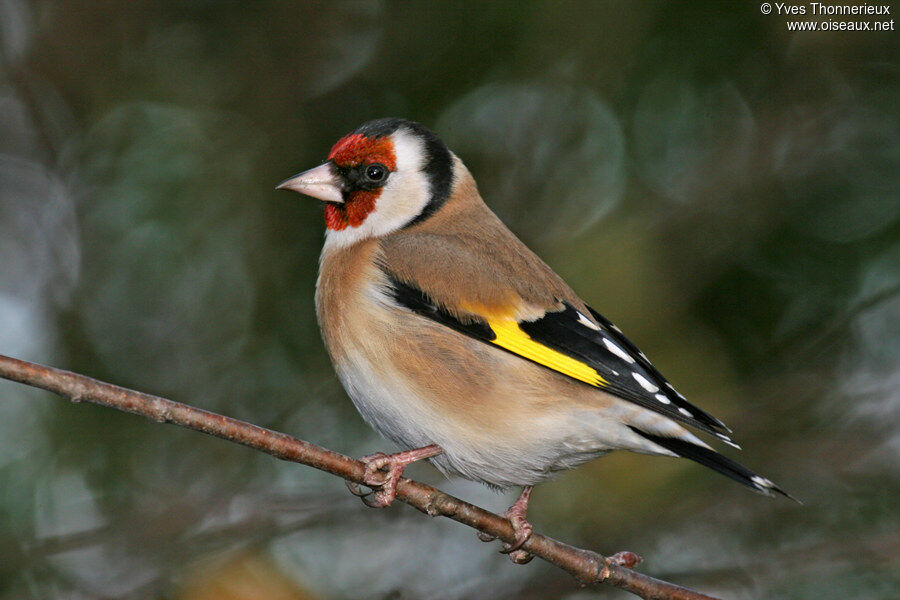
column 456, row 342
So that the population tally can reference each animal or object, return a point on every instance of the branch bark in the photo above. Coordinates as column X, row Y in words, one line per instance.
column 589, row 568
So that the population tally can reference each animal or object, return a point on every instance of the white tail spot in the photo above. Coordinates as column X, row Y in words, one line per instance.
column 663, row 399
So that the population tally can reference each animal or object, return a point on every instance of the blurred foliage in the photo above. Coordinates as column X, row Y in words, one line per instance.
column 725, row 191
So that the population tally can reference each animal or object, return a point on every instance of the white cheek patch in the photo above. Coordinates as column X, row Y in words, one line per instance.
column 402, row 198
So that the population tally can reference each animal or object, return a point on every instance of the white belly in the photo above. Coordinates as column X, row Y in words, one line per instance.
column 398, row 412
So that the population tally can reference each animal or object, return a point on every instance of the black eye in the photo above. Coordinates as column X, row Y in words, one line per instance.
column 376, row 173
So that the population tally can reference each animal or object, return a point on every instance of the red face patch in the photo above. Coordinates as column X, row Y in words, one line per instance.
column 356, row 149
column 352, row 151
column 353, row 212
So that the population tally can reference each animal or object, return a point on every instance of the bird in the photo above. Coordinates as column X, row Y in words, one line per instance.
column 460, row 345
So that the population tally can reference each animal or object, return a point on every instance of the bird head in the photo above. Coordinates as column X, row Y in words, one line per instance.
column 385, row 175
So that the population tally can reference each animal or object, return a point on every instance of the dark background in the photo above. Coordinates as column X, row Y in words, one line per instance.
column 722, row 189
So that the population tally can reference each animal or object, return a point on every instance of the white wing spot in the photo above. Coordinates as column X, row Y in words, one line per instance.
column 644, row 383
column 762, row 481
column 587, row 322
column 685, row 412
column 663, row 399
column 618, row 351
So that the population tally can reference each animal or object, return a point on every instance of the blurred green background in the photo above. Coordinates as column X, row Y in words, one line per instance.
column 725, row 191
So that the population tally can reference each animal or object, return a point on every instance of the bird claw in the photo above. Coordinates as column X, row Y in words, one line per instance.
column 523, row 531
column 516, row 555
column 521, row 528
column 382, row 473
column 376, row 500
column 355, row 489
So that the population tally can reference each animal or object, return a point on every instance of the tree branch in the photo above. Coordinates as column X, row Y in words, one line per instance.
column 587, row 567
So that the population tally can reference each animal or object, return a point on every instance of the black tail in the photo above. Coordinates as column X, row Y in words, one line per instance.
column 716, row 462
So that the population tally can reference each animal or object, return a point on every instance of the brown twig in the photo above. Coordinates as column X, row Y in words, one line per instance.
column 589, row 568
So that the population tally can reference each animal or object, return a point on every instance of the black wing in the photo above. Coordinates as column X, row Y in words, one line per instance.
column 593, row 351
column 626, row 369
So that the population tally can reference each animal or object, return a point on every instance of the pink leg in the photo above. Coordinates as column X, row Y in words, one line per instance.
column 383, row 471
column 522, row 528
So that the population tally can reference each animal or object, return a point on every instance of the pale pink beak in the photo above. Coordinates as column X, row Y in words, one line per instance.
column 321, row 183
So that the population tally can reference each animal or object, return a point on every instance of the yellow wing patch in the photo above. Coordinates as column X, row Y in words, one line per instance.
column 511, row 337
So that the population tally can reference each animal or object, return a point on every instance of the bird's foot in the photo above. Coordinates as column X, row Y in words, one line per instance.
column 523, row 531
column 521, row 528
column 383, row 472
